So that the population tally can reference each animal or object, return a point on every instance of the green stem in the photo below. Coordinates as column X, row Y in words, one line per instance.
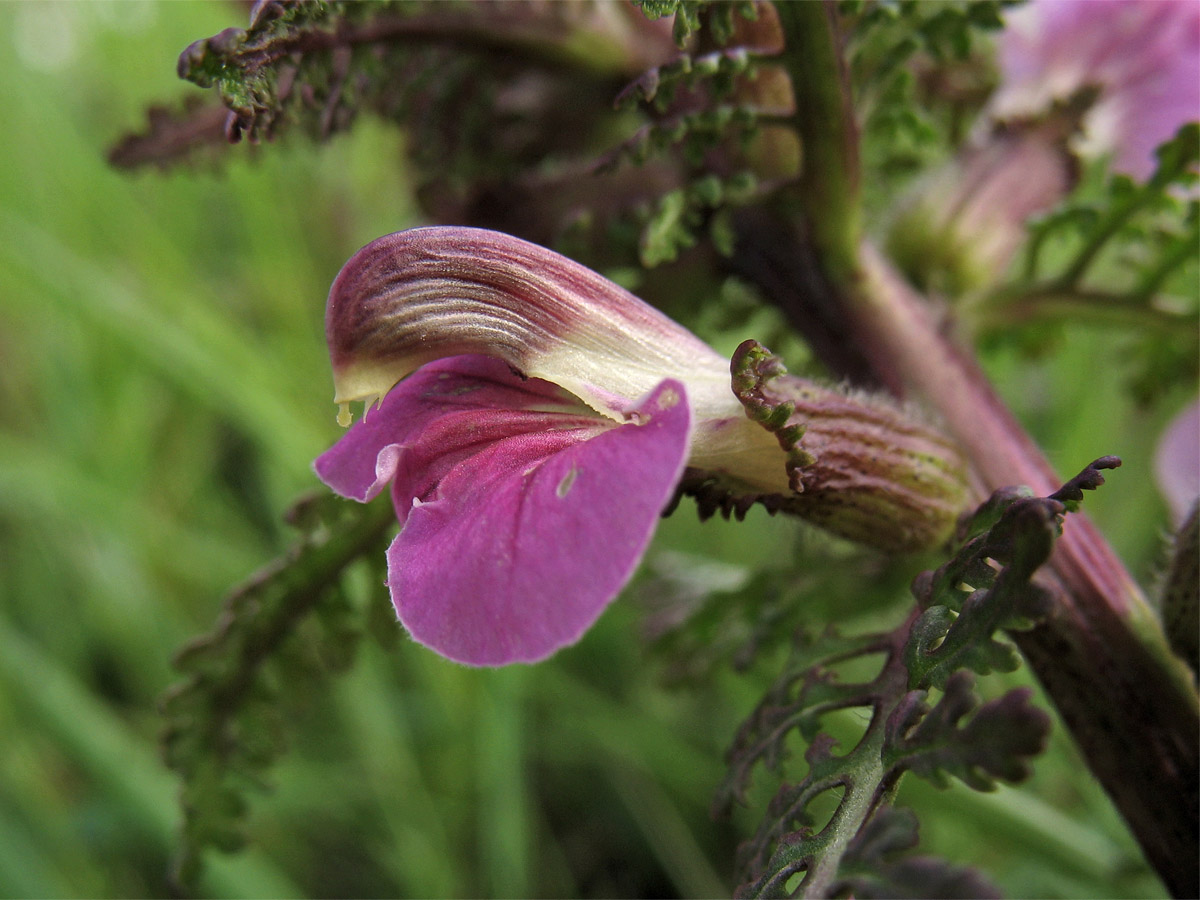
column 1052, row 301
column 1178, row 254
column 828, row 189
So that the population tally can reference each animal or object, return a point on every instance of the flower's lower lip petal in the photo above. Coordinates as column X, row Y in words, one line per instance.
column 513, row 562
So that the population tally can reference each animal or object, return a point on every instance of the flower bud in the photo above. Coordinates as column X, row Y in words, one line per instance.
column 959, row 229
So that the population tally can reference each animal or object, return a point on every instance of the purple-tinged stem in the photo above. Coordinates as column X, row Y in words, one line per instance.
column 1101, row 655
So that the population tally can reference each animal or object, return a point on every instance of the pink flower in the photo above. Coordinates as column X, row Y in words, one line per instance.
column 534, row 419
column 1140, row 57
column 525, row 500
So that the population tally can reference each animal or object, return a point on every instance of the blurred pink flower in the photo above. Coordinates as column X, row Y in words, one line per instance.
column 1095, row 77
column 1141, row 57
column 1177, row 463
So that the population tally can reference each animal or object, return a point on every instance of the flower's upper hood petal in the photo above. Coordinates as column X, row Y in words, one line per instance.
column 427, row 293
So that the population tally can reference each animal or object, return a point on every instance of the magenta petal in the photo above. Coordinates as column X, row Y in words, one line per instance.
column 360, row 464
column 523, row 544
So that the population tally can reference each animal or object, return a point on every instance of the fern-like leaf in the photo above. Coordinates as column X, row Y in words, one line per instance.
column 226, row 722
column 950, row 635
column 1120, row 252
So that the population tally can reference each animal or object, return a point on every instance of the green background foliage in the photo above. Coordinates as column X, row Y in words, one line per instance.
column 165, row 389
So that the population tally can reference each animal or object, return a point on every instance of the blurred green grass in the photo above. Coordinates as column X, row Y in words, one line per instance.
column 165, row 389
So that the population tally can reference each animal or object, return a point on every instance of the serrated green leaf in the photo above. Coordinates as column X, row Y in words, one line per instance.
column 1122, row 252
column 225, row 724
column 904, row 126
column 668, row 230
column 877, row 864
column 936, row 648
column 995, row 744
